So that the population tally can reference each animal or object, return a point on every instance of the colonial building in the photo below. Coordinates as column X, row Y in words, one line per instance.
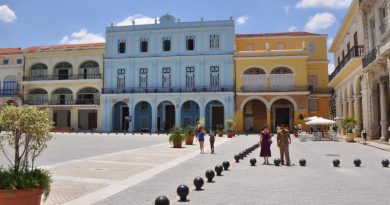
column 348, row 49
column 67, row 79
column 168, row 73
column 376, row 65
column 281, row 78
column 11, row 73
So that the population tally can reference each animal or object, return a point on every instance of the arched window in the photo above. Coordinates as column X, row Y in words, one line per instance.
column 10, row 86
column 282, row 70
column 88, row 96
column 254, row 71
column 282, row 79
column 62, row 96
column 254, row 80
column 89, row 70
column 38, row 72
column 37, row 97
column 62, row 71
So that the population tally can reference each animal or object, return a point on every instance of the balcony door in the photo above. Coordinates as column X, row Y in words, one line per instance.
column 282, row 79
column 254, row 79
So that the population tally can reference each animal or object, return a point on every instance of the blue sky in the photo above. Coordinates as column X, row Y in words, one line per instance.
column 47, row 22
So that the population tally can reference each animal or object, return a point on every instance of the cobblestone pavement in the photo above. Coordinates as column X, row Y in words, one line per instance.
column 317, row 183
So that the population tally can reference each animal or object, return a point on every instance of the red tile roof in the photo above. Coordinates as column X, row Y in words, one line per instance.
column 65, row 47
column 277, row 34
column 10, row 50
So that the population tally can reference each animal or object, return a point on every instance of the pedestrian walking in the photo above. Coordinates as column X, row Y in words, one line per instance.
column 201, row 140
column 265, row 144
column 212, row 140
column 283, row 141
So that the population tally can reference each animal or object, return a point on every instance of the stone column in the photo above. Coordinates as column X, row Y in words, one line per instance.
column 345, row 109
column 350, row 107
column 383, row 111
column 357, row 113
column 74, row 118
column 154, row 116
column 177, row 115
column 131, row 114
column 269, row 120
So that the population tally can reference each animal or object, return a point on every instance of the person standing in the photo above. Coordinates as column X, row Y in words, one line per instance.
column 212, row 140
column 283, row 141
column 265, row 144
column 201, row 140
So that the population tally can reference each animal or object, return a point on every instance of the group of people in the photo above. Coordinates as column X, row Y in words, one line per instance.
column 200, row 135
column 283, row 141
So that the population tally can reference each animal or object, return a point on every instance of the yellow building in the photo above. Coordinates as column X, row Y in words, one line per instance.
column 281, row 78
column 347, row 78
column 67, row 79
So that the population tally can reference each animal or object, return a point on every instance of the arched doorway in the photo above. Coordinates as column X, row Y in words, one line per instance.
column 88, row 96
column 282, row 114
column 254, row 80
column 214, row 114
column 121, row 111
column 63, row 71
column 62, row 96
column 10, row 86
column 255, row 115
column 38, row 97
column 143, row 117
column 89, row 70
column 38, row 72
column 281, row 79
column 165, row 116
column 189, row 113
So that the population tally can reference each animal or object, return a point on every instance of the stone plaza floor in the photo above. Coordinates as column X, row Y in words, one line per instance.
column 135, row 169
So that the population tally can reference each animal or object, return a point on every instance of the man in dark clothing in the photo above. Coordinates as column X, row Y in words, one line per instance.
column 283, row 141
column 212, row 140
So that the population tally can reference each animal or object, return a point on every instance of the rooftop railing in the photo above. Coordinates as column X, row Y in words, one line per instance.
column 63, row 102
column 181, row 89
column 62, row 77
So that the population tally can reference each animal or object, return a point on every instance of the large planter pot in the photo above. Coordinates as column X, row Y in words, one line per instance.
column 177, row 144
column 349, row 137
column 190, row 140
column 220, row 133
column 230, row 134
column 21, row 197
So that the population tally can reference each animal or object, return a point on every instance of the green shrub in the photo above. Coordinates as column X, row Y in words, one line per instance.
column 189, row 131
column 349, row 123
column 176, row 134
column 229, row 123
column 220, row 127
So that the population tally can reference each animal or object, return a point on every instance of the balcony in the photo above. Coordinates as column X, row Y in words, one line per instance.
column 9, row 93
column 370, row 57
column 356, row 51
column 285, row 88
column 195, row 89
column 63, row 77
column 63, row 102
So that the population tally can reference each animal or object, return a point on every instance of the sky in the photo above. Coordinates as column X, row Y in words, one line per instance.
column 51, row 22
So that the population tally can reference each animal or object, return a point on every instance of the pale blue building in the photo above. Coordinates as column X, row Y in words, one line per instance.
column 168, row 73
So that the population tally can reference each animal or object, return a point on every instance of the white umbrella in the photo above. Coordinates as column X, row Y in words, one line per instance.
column 311, row 118
column 320, row 121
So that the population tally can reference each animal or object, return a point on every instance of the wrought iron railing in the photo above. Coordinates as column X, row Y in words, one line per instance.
column 62, row 77
column 188, row 89
column 370, row 57
column 63, row 102
column 9, row 93
column 356, row 51
column 286, row 88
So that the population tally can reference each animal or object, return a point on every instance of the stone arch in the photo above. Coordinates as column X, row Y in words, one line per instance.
column 189, row 112
column 246, row 100
column 39, row 66
column 88, row 95
column 214, row 114
column 120, row 110
column 282, row 70
column 254, row 70
column 88, row 70
column 143, row 116
column 288, row 98
column 10, row 78
column 166, row 115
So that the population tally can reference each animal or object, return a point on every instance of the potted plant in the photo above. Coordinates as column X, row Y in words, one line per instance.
column 229, row 124
column 26, row 131
column 349, row 123
column 176, row 137
column 189, row 133
column 220, row 130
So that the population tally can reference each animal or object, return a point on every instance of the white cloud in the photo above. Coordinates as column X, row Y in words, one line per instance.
column 139, row 19
column 6, row 14
column 292, row 28
column 330, row 67
column 242, row 20
column 286, row 9
column 82, row 37
column 329, row 42
column 320, row 21
column 334, row 4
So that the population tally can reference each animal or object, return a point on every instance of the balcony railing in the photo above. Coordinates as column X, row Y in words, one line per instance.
column 62, row 77
column 370, row 57
column 62, row 102
column 195, row 89
column 286, row 88
column 9, row 93
column 355, row 51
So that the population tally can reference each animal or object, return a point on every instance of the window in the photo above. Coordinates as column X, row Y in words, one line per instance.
column 214, row 76
column 383, row 18
column 281, row 46
column 166, row 77
column 143, row 77
column 312, row 47
column 372, row 32
column 214, row 41
column 121, row 71
column 5, row 61
column 166, row 44
column 190, row 43
column 313, row 81
column 19, row 61
column 190, row 76
column 144, row 45
column 143, row 70
column 121, row 81
column 313, row 104
column 122, row 46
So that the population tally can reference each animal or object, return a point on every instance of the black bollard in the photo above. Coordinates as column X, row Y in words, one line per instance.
column 302, row 162
column 253, row 161
column 210, row 175
column 357, row 162
column 241, row 155
column 336, row 162
column 183, row 192
column 198, row 183
column 237, row 158
column 277, row 162
column 385, row 163
column 226, row 165
column 218, row 169
column 161, row 200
